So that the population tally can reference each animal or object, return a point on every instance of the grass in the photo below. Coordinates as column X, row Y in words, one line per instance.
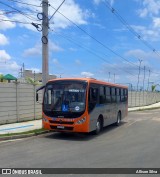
column 34, row 132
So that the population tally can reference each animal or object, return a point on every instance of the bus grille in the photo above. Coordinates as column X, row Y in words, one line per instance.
column 60, row 122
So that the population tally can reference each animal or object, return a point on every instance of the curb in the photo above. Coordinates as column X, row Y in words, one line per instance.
column 13, row 137
column 143, row 109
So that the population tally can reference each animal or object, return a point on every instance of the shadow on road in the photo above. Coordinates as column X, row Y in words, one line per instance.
column 82, row 136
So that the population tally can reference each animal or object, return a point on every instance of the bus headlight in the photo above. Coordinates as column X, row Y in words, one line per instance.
column 45, row 120
column 81, row 121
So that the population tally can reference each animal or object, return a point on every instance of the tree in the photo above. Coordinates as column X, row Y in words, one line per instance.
column 1, row 77
column 154, row 87
column 31, row 81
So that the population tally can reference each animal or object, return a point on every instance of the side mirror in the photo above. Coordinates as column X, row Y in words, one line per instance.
column 37, row 97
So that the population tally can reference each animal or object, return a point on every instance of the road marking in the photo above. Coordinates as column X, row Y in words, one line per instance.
column 156, row 119
column 5, row 141
column 25, row 126
column 129, row 124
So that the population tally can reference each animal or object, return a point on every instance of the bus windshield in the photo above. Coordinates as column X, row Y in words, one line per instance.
column 63, row 98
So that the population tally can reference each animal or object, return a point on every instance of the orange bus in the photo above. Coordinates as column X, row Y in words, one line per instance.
column 82, row 104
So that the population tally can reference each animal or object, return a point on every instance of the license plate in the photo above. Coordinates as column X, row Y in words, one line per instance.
column 61, row 127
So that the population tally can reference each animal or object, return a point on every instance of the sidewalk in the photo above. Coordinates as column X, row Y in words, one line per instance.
column 152, row 106
column 20, row 127
column 37, row 124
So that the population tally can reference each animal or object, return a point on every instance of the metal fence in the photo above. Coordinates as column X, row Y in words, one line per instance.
column 17, row 102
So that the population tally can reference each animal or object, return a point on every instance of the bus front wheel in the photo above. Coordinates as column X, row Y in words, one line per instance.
column 98, row 126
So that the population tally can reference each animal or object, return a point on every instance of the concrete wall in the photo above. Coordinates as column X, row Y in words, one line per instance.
column 142, row 98
column 17, row 102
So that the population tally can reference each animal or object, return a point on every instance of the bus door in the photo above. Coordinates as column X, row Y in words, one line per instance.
column 113, row 105
column 93, row 109
column 104, row 107
column 108, row 106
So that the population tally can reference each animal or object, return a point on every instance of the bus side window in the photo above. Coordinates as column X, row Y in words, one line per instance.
column 93, row 98
column 102, row 95
column 122, row 95
column 113, row 94
column 108, row 94
column 125, row 94
column 118, row 95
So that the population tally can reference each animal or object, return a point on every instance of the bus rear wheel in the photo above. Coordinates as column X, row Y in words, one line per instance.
column 118, row 119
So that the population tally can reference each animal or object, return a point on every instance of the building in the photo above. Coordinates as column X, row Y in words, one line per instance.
column 36, row 76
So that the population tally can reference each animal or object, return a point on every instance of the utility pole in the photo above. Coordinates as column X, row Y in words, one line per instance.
column 148, row 79
column 139, row 73
column 45, row 26
column 144, row 77
column 143, row 83
column 23, row 70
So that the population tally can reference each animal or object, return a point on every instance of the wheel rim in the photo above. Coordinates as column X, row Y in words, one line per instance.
column 98, row 126
column 118, row 119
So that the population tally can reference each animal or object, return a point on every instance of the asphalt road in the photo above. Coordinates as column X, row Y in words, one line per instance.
column 134, row 144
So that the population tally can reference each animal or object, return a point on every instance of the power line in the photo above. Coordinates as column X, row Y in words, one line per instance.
column 91, row 51
column 96, row 39
column 56, row 10
column 22, row 13
column 20, row 2
column 99, row 41
column 126, row 24
column 7, row 12
column 15, row 21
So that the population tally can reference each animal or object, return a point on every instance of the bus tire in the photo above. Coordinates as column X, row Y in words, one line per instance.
column 118, row 119
column 98, row 126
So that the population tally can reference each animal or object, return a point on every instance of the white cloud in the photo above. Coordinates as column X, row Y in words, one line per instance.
column 37, row 49
column 36, row 70
column 5, row 24
column 13, row 66
column 34, row 51
column 87, row 74
column 97, row 2
column 10, row 67
column 150, row 7
column 138, row 53
column 111, row 2
column 54, row 47
column 78, row 62
column 58, row 65
column 55, row 61
column 4, row 56
column 147, row 34
column 3, row 39
column 72, row 49
column 70, row 9
column 6, row 65
column 156, row 22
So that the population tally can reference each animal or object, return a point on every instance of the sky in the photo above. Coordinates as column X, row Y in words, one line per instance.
column 110, row 40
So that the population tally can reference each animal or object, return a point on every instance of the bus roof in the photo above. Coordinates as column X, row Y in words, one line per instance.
column 90, row 80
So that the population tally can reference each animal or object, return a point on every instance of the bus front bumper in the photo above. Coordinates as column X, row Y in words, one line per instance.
column 66, row 125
